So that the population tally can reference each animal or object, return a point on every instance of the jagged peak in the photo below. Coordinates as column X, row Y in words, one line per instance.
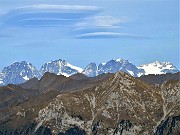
column 19, row 63
column 57, row 61
column 22, row 63
column 121, row 60
column 61, row 62
column 91, row 64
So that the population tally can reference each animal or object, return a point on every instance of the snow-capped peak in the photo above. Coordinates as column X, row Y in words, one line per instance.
column 60, row 67
column 121, row 60
column 120, row 64
column 18, row 72
column 158, row 68
column 90, row 70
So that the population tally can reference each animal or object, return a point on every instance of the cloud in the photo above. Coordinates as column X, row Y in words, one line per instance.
column 66, row 7
column 48, row 15
column 102, row 21
column 97, row 24
column 108, row 35
column 92, row 29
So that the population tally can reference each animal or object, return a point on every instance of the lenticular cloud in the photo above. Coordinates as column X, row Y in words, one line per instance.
column 48, row 15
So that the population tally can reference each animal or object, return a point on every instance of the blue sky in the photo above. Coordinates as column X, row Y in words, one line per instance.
column 85, row 31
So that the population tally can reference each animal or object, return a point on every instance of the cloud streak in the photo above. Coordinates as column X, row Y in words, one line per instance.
column 65, row 7
column 109, row 35
column 102, row 21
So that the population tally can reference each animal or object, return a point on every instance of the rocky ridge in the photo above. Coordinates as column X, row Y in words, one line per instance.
column 109, row 107
column 120, row 104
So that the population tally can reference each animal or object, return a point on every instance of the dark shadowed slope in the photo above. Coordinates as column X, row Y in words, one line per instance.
column 51, row 81
column 159, row 79
column 13, row 94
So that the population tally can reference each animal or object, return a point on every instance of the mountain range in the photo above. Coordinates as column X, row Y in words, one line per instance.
column 19, row 72
column 107, row 104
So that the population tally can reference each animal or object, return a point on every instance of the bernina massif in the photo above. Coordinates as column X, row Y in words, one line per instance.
column 19, row 72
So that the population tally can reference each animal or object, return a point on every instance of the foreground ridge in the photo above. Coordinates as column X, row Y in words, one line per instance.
column 118, row 104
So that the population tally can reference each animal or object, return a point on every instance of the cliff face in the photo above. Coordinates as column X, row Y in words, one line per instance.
column 120, row 104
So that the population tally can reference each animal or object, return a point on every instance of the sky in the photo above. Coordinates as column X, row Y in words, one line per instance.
column 84, row 31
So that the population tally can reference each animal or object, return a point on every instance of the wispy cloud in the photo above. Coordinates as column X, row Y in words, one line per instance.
column 48, row 15
column 102, row 21
column 66, row 7
column 108, row 35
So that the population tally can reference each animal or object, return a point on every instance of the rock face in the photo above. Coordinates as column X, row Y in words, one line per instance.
column 18, row 72
column 170, row 123
column 91, row 70
column 119, row 104
column 170, row 126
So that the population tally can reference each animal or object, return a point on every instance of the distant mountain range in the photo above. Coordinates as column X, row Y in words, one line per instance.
column 19, row 72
